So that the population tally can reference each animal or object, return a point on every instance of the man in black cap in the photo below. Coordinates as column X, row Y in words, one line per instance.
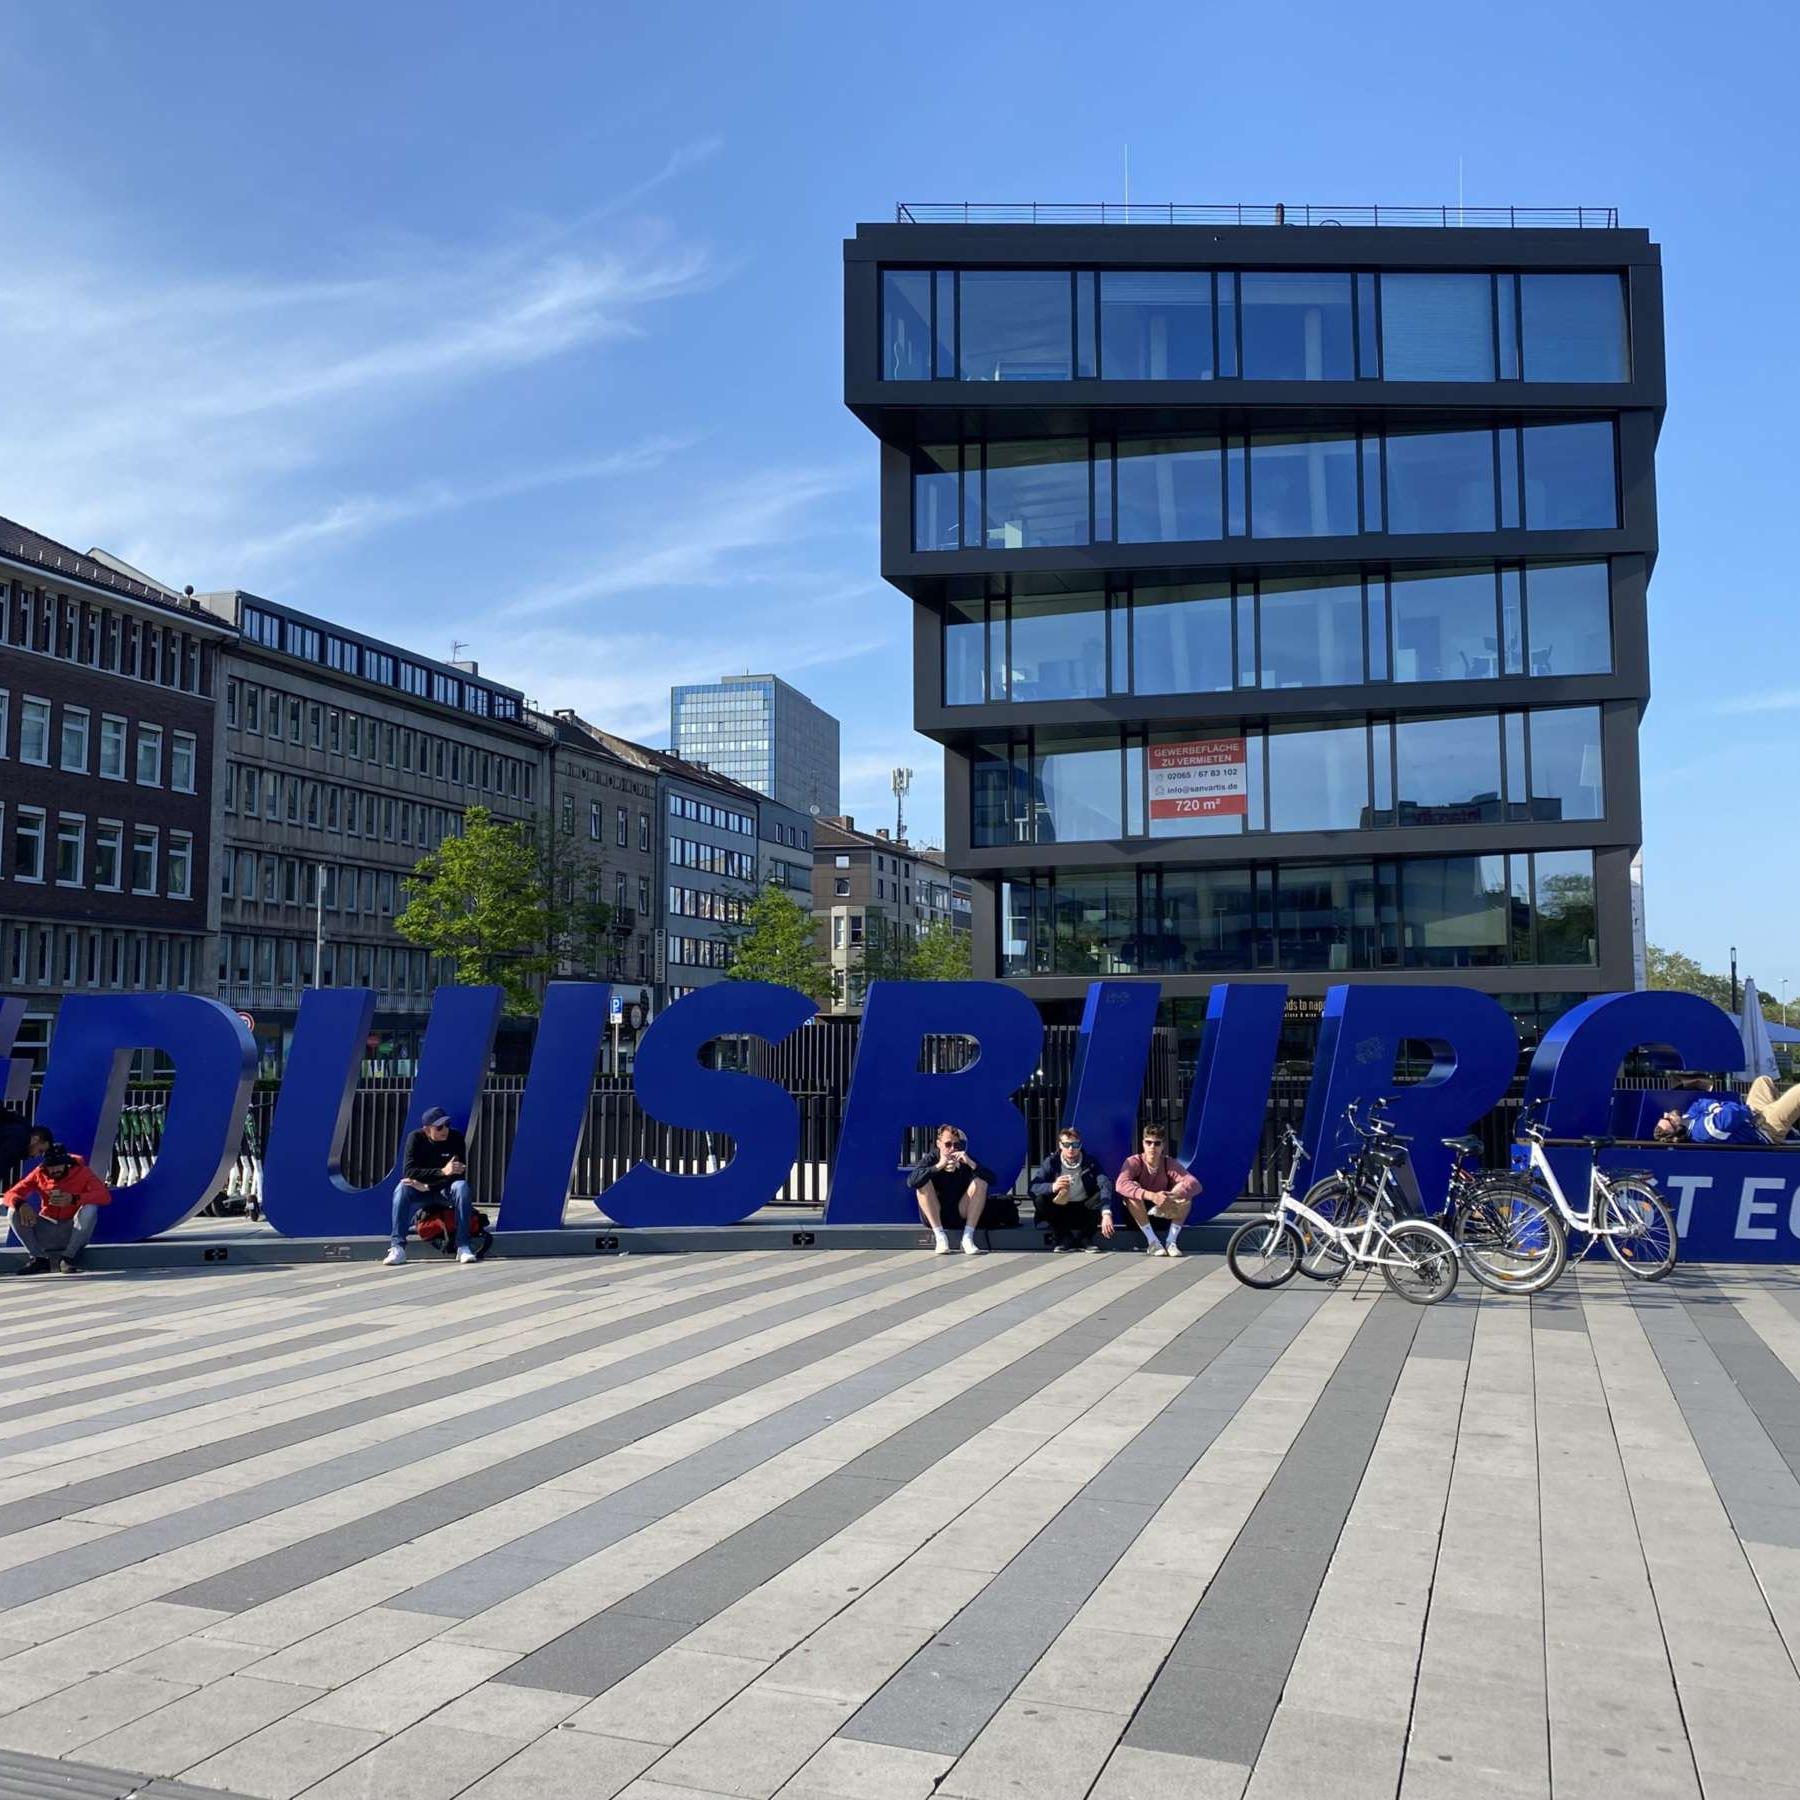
column 436, row 1168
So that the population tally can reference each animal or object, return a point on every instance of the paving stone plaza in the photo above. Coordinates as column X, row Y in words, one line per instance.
column 879, row 1526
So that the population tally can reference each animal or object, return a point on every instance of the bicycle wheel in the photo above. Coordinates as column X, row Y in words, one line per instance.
column 1429, row 1255
column 1263, row 1253
column 1639, row 1230
column 1321, row 1259
column 1510, row 1237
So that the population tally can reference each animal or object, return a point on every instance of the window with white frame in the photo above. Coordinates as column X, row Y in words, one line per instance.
column 181, row 865
column 144, row 844
column 71, row 849
column 34, row 731
column 28, row 844
column 149, row 755
column 109, row 846
column 112, row 747
column 73, row 745
column 182, row 756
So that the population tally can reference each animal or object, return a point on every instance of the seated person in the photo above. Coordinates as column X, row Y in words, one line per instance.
column 1070, row 1188
column 54, row 1211
column 1154, row 1185
column 435, row 1168
column 949, row 1179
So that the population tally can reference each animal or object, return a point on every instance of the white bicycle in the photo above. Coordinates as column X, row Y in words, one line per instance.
column 1417, row 1259
column 1625, row 1212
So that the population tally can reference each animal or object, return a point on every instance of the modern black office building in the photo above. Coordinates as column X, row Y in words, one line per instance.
column 1279, row 584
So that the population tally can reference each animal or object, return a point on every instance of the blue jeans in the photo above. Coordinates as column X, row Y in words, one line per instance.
column 407, row 1201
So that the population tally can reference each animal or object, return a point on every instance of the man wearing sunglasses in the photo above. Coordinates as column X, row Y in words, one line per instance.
column 950, row 1183
column 1155, row 1188
column 1069, row 1188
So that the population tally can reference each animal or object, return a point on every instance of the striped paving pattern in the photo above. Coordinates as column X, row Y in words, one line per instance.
column 864, row 1525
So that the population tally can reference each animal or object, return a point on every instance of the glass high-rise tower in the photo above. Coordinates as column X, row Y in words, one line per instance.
column 1279, row 584
column 760, row 731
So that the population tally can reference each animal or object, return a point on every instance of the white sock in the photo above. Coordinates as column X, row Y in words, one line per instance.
column 968, row 1234
column 1149, row 1235
column 1171, row 1235
column 940, row 1234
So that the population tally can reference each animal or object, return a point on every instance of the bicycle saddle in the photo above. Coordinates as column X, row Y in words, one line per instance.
column 1469, row 1145
column 1599, row 1143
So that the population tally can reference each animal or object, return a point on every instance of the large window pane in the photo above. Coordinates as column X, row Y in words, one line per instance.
column 1037, row 494
column 1312, row 635
column 1455, row 911
column 1565, row 906
column 1574, row 327
column 1296, row 327
column 1096, row 924
column 935, row 522
column 1444, row 626
column 1440, row 480
column 1076, row 790
column 1566, row 779
column 965, row 653
column 1448, row 770
column 1168, row 490
column 1156, row 326
column 1571, row 624
column 994, row 797
column 1303, row 487
column 1016, row 325
column 1437, row 328
column 1327, row 917
column 1058, row 646
column 906, row 325
column 1318, row 778
column 1205, row 922
column 1181, row 638
column 1570, row 481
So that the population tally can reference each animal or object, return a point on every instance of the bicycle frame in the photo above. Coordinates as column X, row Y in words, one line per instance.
column 1356, row 1242
column 1598, row 1188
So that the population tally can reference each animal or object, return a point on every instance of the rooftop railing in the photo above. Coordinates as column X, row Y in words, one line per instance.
column 1137, row 212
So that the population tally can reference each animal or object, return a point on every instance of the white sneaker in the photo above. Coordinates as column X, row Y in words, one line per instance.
column 970, row 1247
column 1172, row 1247
column 1154, row 1249
column 394, row 1258
column 940, row 1245
column 466, row 1255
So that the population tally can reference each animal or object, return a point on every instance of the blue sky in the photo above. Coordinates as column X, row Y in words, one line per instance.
column 520, row 325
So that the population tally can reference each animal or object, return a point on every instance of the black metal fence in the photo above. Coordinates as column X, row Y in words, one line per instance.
column 815, row 1067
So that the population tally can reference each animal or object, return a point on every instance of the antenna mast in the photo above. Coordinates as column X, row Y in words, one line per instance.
column 902, row 783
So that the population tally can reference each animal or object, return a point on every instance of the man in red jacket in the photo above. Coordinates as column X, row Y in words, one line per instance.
column 54, row 1211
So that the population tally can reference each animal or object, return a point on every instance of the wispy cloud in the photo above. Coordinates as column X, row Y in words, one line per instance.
column 1781, row 700
column 197, row 422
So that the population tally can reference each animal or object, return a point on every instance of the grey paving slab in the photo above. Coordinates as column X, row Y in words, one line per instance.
column 720, row 1576
column 42, row 1778
column 255, row 1582
column 1218, row 1691
column 616, row 1516
column 205, row 1518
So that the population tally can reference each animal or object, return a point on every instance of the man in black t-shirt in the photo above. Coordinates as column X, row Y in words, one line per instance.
column 949, row 1183
column 435, row 1168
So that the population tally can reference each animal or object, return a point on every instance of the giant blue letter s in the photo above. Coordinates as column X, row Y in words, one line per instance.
column 760, row 1117
column 889, row 1093
column 84, row 1089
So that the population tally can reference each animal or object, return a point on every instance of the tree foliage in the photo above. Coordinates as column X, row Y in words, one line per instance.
column 505, row 905
column 889, row 953
column 1671, row 969
column 779, row 944
column 941, row 953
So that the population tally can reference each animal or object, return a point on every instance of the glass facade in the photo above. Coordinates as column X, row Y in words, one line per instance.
column 1255, row 325
column 1157, row 636
column 758, row 730
column 1430, row 771
column 1048, row 493
column 1455, row 912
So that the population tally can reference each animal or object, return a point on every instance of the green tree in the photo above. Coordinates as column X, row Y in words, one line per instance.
column 1671, row 969
column 780, row 944
column 503, row 905
column 941, row 953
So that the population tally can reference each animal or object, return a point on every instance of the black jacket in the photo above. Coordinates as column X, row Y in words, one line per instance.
column 425, row 1159
column 951, row 1184
column 1098, row 1185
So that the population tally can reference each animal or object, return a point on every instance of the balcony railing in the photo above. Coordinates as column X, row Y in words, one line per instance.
column 1138, row 212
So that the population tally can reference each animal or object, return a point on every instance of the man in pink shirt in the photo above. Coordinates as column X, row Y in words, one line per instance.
column 1154, row 1186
